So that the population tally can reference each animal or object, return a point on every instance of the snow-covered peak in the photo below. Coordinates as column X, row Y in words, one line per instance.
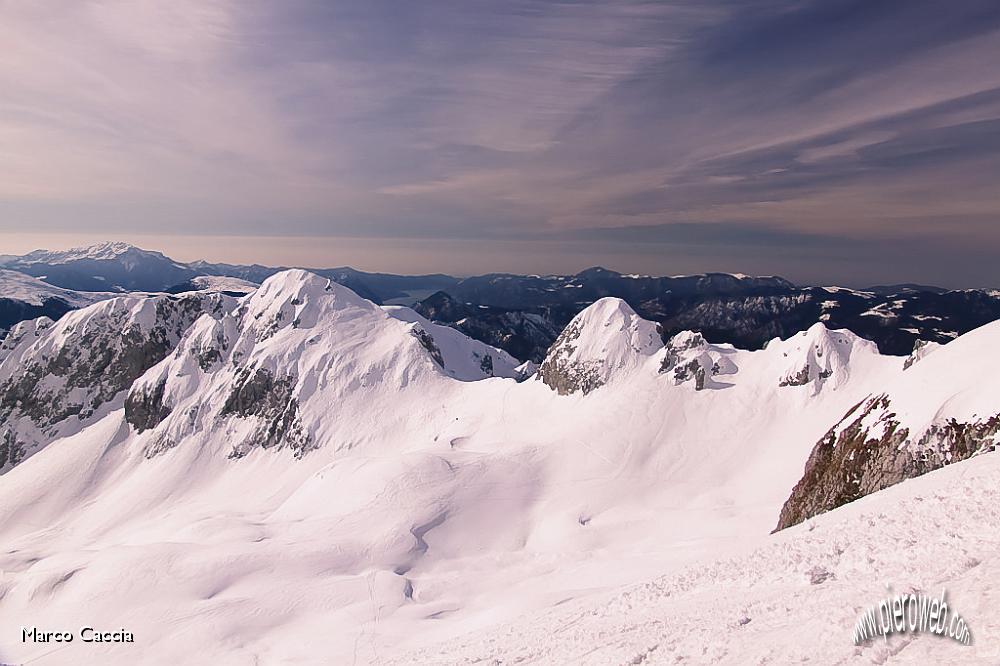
column 298, row 351
column 106, row 251
column 606, row 338
column 111, row 266
column 296, row 298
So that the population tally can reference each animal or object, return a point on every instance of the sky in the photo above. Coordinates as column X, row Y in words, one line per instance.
column 835, row 141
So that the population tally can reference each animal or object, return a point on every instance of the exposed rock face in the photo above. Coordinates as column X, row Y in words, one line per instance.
column 258, row 393
column 11, row 451
column 870, row 450
column 561, row 372
column 486, row 365
column 55, row 376
column 144, row 408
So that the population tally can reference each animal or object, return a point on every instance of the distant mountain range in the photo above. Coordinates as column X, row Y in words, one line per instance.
column 523, row 314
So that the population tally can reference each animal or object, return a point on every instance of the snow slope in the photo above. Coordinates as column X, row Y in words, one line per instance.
column 789, row 598
column 462, row 357
column 940, row 410
column 21, row 287
column 305, row 479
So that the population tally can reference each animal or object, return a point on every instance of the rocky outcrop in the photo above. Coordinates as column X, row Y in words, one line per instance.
column 921, row 349
column 870, row 450
column 561, row 372
column 486, row 364
column 688, row 357
column 427, row 342
column 271, row 400
column 144, row 407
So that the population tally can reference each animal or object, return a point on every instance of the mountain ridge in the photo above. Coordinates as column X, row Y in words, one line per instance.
column 523, row 315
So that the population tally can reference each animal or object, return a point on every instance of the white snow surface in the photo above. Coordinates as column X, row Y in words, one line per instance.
column 789, row 598
column 433, row 520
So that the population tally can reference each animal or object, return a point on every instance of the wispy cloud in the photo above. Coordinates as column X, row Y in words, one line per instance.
column 529, row 120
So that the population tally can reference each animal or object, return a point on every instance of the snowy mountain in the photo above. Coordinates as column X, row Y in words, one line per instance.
column 18, row 286
column 111, row 266
column 523, row 314
column 238, row 477
column 606, row 339
column 524, row 334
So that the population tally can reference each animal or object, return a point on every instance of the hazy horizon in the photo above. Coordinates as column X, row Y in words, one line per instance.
column 378, row 257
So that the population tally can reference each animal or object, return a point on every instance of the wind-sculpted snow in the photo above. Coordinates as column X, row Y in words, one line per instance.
column 940, row 410
column 57, row 378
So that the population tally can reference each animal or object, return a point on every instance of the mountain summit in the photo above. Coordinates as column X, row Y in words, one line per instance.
column 607, row 337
